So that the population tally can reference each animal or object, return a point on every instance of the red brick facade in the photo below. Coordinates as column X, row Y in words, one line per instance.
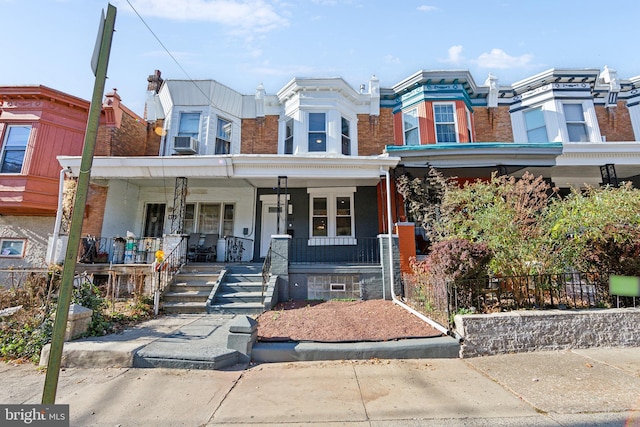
column 492, row 124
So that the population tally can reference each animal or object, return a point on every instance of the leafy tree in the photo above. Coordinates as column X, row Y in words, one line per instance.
column 509, row 215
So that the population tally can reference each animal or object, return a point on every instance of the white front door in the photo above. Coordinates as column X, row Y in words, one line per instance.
column 269, row 222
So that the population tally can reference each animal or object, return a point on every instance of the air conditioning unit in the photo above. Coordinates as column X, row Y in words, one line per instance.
column 185, row 144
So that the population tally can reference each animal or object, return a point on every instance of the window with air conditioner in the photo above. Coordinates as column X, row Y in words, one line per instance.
column 186, row 141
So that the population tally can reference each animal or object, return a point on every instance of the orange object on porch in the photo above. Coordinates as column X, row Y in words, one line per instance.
column 406, row 244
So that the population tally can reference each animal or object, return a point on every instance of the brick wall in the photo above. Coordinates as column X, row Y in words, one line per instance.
column 260, row 136
column 524, row 331
column 374, row 133
column 94, row 210
column 493, row 124
column 615, row 123
column 154, row 137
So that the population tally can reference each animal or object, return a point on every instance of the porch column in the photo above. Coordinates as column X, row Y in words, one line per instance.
column 385, row 291
column 280, row 263
column 179, row 205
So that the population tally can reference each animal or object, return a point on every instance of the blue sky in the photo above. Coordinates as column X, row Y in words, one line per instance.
column 242, row 43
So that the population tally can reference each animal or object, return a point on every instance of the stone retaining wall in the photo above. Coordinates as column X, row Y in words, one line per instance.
column 524, row 331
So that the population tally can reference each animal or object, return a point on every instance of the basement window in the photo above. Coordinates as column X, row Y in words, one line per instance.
column 337, row 287
column 12, row 248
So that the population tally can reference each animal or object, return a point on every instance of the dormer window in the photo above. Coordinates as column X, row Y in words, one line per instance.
column 14, row 149
column 346, row 138
column 445, row 123
column 534, row 122
column 317, row 132
column 189, row 125
column 223, row 136
column 288, row 137
column 410, row 121
column 576, row 125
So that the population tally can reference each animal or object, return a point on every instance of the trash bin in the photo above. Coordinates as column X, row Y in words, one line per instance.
column 118, row 250
column 130, row 251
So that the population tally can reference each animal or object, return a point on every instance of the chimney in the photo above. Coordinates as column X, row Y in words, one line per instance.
column 155, row 81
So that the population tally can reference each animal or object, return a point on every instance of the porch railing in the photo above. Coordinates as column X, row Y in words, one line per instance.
column 119, row 250
column 166, row 270
column 334, row 250
column 266, row 272
column 235, row 248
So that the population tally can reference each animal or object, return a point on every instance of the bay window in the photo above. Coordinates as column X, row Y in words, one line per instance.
column 445, row 122
column 14, row 148
column 410, row 123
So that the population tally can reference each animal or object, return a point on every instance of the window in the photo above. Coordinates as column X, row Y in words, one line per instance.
column 223, row 136
column 317, row 132
column 227, row 221
column 445, row 123
column 208, row 218
column 469, row 130
column 189, row 125
column 411, row 134
column 12, row 248
column 14, row 148
column 346, row 138
column 288, row 137
column 332, row 216
column 536, row 128
column 576, row 125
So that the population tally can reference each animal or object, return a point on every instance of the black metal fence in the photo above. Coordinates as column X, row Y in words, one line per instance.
column 334, row 250
column 494, row 294
column 119, row 250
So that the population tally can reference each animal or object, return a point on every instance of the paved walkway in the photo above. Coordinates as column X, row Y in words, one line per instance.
column 594, row 387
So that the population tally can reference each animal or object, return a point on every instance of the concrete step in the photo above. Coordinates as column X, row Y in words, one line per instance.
column 245, row 277
column 184, row 307
column 248, row 309
column 190, row 287
column 239, row 287
column 226, row 298
column 186, row 296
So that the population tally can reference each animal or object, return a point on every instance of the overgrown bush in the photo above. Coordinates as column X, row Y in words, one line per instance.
column 24, row 333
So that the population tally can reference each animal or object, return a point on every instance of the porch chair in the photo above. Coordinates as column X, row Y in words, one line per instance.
column 206, row 252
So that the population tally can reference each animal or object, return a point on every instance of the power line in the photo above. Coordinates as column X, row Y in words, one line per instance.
column 172, row 57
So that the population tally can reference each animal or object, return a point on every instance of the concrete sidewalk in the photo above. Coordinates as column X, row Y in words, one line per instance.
column 595, row 387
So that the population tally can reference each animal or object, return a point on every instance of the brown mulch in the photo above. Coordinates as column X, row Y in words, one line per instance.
column 341, row 321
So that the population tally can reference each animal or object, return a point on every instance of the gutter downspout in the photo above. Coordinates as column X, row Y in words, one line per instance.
column 391, row 273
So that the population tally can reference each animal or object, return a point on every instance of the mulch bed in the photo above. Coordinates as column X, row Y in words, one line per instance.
column 341, row 321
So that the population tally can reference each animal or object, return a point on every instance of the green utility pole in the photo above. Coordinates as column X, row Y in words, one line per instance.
column 103, row 46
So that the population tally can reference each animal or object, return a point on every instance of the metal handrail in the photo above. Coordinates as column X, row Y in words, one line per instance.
column 266, row 272
column 167, row 269
column 235, row 247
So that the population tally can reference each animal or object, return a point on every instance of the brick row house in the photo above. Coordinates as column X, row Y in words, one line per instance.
column 312, row 160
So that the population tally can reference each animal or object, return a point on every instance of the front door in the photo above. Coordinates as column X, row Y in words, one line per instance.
column 270, row 220
column 154, row 221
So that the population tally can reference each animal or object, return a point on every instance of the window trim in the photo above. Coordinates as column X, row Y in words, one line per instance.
column 583, row 122
column 416, row 128
column 13, row 239
column 319, row 132
column 345, row 137
column 332, row 194
column 289, row 139
column 4, row 150
column 191, row 134
column 219, row 139
column 544, row 123
column 455, row 122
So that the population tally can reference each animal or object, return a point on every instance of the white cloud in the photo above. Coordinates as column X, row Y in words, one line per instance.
column 242, row 16
column 455, row 55
column 390, row 59
column 425, row 8
column 498, row 58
